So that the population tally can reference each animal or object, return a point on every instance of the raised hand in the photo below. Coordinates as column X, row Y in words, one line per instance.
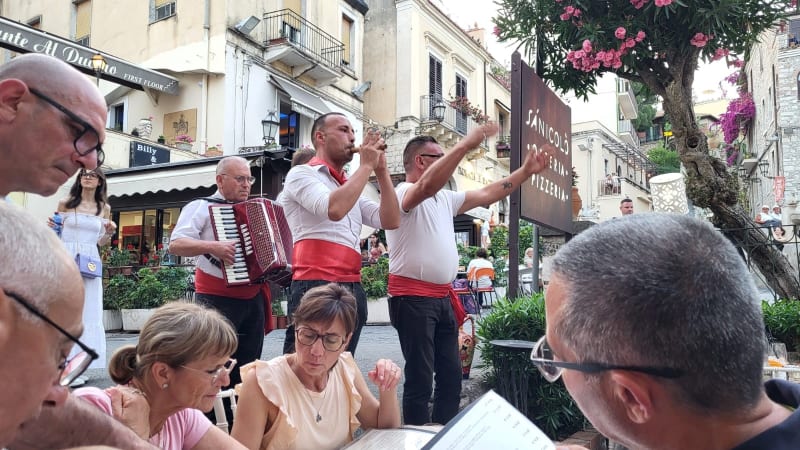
column 536, row 162
column 372, row 149
column 385, row 375
column 477, row 135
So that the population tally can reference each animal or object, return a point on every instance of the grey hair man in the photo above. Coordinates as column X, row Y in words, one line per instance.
column 670, row 355
column 31, row 349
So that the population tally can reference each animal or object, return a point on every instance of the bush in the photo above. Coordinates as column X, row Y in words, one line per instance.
column 782, row 320
column 147, row 290
column 375, row 278
column 513, row 376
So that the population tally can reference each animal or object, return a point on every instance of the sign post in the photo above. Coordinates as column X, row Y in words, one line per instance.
column 538, row 118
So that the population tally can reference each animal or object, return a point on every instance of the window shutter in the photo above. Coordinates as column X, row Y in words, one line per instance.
column 83, row 19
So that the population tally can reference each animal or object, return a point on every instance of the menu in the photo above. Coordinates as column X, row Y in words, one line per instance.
column 489, row 422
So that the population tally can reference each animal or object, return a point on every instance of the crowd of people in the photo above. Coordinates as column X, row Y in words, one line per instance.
column 648, row 336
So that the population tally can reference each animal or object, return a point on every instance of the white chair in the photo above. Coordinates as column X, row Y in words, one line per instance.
column 219, row 408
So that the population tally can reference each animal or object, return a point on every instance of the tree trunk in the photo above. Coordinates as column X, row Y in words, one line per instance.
column 710, row 184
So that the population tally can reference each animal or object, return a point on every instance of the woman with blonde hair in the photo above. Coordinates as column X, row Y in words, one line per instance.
column 176, row 370
column 85, row 224
column 316, row 397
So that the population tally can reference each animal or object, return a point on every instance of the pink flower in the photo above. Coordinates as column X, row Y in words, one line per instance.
column 569, row 9
column 630, row 43
column 579, row 54
column 638, row 3
column 577, row 12
column 620, row 33
column 700, row 40
column 587, row 46
column 640, row 36
column 720, row 53
column 663, row 2
column 565, row 16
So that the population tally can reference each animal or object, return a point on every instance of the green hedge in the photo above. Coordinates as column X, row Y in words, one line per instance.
column 782, row 319
column 548, row 405
column 375, row 278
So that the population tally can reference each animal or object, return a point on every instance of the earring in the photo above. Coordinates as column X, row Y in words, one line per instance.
column 165, row 385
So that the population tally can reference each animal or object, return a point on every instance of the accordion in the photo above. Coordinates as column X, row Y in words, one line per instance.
column 263, row 241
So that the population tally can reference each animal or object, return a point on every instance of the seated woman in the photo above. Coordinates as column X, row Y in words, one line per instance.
column 315, row 398
column 173, row 373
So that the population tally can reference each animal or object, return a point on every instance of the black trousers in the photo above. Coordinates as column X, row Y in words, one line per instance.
column 429, row 341
column 299, row 289
column 247, row 318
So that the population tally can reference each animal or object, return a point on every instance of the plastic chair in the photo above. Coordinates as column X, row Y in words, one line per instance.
column 482, row 292
column 219, row 408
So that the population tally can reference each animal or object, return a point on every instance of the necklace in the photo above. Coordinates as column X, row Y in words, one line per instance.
column 318, row 418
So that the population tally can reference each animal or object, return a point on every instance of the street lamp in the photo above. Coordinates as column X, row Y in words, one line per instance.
column 99, row 65
column 763, row 166
column 270, row 126
column 438, row 110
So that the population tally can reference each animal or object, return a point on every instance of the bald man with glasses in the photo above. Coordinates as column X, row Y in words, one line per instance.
column 52, row 123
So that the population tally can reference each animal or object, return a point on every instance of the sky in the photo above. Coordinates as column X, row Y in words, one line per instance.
column 468, row 12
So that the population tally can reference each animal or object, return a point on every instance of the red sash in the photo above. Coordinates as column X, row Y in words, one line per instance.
column 399, row 285
column 315, row 259
column 340, row 177
column 211, row 285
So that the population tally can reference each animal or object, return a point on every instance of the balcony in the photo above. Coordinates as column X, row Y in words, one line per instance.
column 503, row 146
column 303, row 47
column 626, row 100
column 455, row 124
column 626, row 132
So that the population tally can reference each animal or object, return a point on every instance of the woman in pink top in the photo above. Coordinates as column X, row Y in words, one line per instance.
column 315, row 398
column 173, row 373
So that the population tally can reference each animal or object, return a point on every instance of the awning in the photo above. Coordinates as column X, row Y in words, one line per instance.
column 21, row 38
column 165, row 179
column 480, row 212
column 303, row 101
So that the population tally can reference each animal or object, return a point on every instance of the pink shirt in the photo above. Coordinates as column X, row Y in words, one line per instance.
column 182, row 430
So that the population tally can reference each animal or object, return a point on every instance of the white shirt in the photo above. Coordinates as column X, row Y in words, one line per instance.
column 194, row 222
column 481, row 263
column 305, row 199
column 424, row 246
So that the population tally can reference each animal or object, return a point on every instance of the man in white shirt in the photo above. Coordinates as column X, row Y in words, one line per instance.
column 424, row 262
column 325, row 211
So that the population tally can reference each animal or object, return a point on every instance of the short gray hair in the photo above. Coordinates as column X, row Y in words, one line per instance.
column 33, row 259
column 665, row 290
column 228, row 160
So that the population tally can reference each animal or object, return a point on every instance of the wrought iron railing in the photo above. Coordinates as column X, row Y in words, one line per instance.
column 287, row 27
column 454, row 119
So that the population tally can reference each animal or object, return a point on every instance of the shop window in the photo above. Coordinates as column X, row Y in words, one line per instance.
column 289, row 131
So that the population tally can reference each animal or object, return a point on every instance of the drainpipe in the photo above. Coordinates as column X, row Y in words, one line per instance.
column 203, row 134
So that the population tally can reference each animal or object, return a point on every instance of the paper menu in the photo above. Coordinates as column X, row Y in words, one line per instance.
column 490, row 422
column 405, row 438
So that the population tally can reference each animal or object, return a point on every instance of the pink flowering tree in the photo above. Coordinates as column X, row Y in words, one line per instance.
column 658, row 43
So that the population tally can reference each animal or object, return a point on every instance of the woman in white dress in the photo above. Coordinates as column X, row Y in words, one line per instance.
column 86, row 218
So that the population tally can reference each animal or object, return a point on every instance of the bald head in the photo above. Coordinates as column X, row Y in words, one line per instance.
column 45, row 104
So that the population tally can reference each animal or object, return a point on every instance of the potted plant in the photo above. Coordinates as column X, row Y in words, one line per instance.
column 503, row 146
column 184, row 142
column 113, row 298
column 161, row 139
column 117, row 260
column 278, row 314
column 150, row 291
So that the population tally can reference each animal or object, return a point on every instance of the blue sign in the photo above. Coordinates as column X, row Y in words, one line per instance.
column 147, row 154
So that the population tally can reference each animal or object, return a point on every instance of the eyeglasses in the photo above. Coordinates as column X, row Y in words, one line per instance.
column 87, row 140
column 542, row 358
column 331, row 342
column 432, row 155
column 224, row 369
column 241, row 179
column 70, row 369
column 88, row 175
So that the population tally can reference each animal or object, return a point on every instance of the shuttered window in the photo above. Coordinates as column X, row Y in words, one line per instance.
column 347, row 30
column 83, row 20
column 434, row 76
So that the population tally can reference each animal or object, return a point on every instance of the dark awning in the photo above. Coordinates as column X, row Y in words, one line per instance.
column 21, row 38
